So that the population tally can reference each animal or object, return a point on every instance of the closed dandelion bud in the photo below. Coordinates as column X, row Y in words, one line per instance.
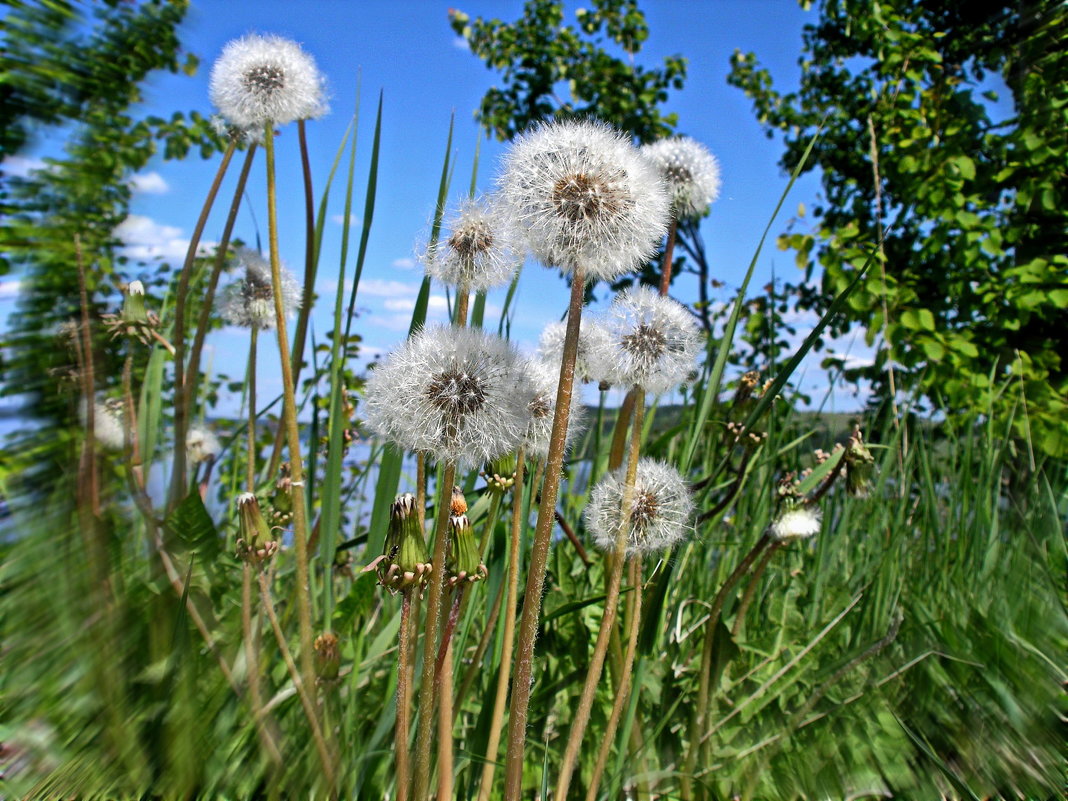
column 798, row 521
column 405, row 562
column 134, row 321
column 859, row 466
column 282, row 499
column 462, row 562
column 133, row 305
column 327, row 656
column 500, row 473
column 255, row 543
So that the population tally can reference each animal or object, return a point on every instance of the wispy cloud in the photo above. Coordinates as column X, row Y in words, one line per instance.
column 147, row 240
column 149, row 183
column 9, row 290
column 460, row 43
column 340, row 219
column 404, row 263
column 20, row 166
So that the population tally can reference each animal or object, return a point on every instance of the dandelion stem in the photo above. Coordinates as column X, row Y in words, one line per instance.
column 252, row 667
column 497, row 717
column 425, row 734
column 181, row 406
column 400, row 740
column 289, row 414
column 250, row 480
column 310, row 260
column 528, row 626
column 444, row 694
column 750, row 589
column 669, row 257
column 634, row 606
column 611, row 605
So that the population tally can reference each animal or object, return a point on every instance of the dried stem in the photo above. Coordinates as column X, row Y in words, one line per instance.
column 289, row 415
column 489, row 767
column 611, row 604
column 528, row 626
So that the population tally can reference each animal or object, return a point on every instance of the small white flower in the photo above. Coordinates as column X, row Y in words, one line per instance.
column 458, row 394
column 581, row 193
column 201, row 445
column 653, row 341
column 249, row 302
column 541, row 408
column 266, row 79
column 690, row 172
column 796, row 523
column 660, row 508
column 109, row 423
column 478, row 250
column 592, row 344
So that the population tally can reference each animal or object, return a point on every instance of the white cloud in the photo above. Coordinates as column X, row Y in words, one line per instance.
column 20, row 166
column 460, row 43
column 340, row 219
column 9, row 290
column 405, row 263
column 399, row 304
column 387, row 289
column 146, row 240
column 149, row 183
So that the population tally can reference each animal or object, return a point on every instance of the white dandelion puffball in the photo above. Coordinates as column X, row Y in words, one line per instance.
column 653, row 341
column 201, row 445
column 796, row 523
column 592, row 344
column 249, row 302
column 690, row 172
column 660, row 509
column 266, row 79
column 109, row 423
column 478, row 251
column 541, row 408
column 458, row 394
column 581, row 193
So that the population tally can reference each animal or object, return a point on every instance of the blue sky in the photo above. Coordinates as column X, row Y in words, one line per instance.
column 406, row 50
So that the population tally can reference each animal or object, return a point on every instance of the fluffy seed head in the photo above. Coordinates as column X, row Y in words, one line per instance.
column 266, row 79
column 660, row 508
column 249, row 302
column 652, row 341
column 690, row 172
column 592, row 344
column 541, row 408
column 109, row 423
column 478, row 249
column 581, row 193
column 795, row 523
column 458, row 394
column 201, row 444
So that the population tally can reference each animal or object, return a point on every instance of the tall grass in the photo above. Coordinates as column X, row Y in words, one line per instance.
column 914, row 647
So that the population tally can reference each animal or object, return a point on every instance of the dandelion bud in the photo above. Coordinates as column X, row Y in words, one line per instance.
column 859, row 466
column 134, row 321
column 133, row 305
column 462, row 562
column 797, row 522
column 327, row 656
column 255, row 543
column 746, row 384
column 500, row 473
column 282, row 499
column 405, row 563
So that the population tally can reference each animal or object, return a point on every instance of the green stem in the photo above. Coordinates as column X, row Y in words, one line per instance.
column 400, row 740
column 250, row 473
column 750, row 589
column 252, row 668
column 528, row 626
column 289, row 416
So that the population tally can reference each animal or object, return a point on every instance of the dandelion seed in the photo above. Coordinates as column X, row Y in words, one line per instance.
column 458, row 394
column 541, row 408
column 266, row 79
column 109, row 423
column 660, row 508
column 478, row 251
column 249, row 302
column 581, row 193
column 797, row 522
column 652, row 342
column 201, row 445
column 592, row 344
column 690, row 172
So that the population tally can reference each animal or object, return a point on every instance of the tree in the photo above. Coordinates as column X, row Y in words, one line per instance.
column 966, row 210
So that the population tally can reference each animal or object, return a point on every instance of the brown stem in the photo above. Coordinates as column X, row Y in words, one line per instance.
column 404, row 688
column 489, row 767
column 750, row 589
column 178, row 472
column 828, row 482
column 445, row 714
column 528, row 626
column 475, row 666
column 570, row 532
column 669, row 257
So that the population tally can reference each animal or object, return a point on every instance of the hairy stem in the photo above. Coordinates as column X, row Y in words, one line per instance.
column 404, row 689
column 669, row 257
column 252, row 666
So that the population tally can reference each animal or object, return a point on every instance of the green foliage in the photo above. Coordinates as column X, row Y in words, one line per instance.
column 538, row 56
column 974, row 275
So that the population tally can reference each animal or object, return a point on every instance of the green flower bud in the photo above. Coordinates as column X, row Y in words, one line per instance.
column 405, row 562
column 500, row 473
column 462, row 562
column 133, row 305
column 327, row 656
column 859, row 466
column 255, row 543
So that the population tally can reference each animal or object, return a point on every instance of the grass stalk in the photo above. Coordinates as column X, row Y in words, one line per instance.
column 611, row 605
column 528, row 626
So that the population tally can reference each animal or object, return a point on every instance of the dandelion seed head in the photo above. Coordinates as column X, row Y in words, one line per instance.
column 660, row 509
column 249, row 302
column 201, row 445
column 541, row 408
column 652, row 341
column 797, row 522
column 592, row 344
column 109, row 423
column 458, row 394
column 478, row 251
column 689, row 170
column 580, row 192
column 266, row 79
